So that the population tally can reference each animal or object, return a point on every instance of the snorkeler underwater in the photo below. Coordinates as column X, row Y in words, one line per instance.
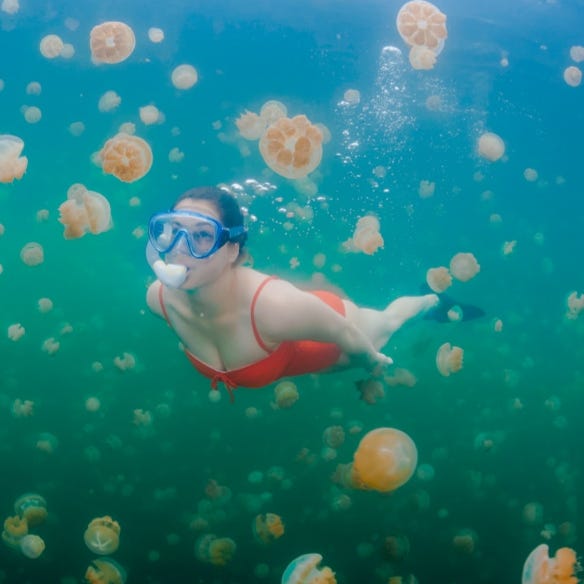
column 291, row 291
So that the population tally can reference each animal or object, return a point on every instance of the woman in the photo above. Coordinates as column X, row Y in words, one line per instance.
column 244, row 328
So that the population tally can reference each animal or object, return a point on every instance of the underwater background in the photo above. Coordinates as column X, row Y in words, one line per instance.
column 499, row 442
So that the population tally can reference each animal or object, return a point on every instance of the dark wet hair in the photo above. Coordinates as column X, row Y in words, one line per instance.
column 227, row 207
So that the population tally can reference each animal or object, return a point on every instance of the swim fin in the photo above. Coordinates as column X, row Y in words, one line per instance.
column 440, row 312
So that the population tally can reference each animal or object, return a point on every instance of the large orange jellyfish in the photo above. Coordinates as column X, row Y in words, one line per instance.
column 539, row 568
column 267, row 527
column 102, row 535
column 449, row 359
column 385, row 459
column 422, row 24
column 15, row 528
column 127, row 157
column 31, row 507
column 111, row 42
column 292, row 147
column 12, row 165
column 84, row 211
column 304, row 570
column 105, row 571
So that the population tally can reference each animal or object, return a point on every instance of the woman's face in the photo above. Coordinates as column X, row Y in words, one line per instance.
column 206, row 270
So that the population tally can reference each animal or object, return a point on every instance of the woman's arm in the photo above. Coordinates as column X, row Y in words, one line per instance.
column 285, row 313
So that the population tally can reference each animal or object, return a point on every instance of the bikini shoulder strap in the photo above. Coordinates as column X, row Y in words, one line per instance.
column 256, row 333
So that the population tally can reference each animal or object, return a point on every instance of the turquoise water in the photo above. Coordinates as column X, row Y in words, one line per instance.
column 500, row 434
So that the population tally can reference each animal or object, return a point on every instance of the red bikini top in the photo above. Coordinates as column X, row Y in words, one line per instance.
column 256, row 374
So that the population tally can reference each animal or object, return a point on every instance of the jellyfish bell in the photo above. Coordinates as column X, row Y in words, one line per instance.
column 449, row 359
column 385, row 459
column 267, row 527
column 464, row 266
column 127, row 157
column 15, row 528
column 102, row 535
column 184, row 76
column 491, row 146
column 420, row 23
column 32, row 546
column 539, row 568
column 105, row 571
column 32, row 507
column 171, row 275
column 304, row 570
column 111, row 42
column 12, row 165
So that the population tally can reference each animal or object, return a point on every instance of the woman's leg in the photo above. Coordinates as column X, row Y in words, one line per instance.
column 379, row 325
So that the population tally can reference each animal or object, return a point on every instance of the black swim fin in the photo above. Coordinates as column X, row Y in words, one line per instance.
column 440, row 312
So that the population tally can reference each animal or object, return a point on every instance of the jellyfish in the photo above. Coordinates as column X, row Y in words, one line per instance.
column 464, row 266
column 449, row 359
column 575, row 304
column 439, row 279
column 215, row 550
column 32, row 546
column 16, row 331
column 267, row 527
column 539, row 568
column 333, row 436
column 155, row 34
column 15, row 528
column 385, row 459
column 422, row 58
column 111, row 42
column 366, row 237
column 272, row 111
column 51, row 46
column 465, row 541
column 127, row 157
column 251, row 126
column 84, row 211
column 304, row 570
column 491, row 146
column 150, row 114
column 12, row 165
column 32, row 114
column 422, row 24
column 352, row 96
column 105, row 571
column 292, row 147
column 32, row 254
column 371, row 390
column 109, row 101
column 184, row 76
column 31, row 507
column 126, row 362
column 286, row 394
column 573, row 76
column 102, row 535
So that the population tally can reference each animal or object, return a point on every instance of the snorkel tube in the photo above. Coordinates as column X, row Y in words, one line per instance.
column 171, row 275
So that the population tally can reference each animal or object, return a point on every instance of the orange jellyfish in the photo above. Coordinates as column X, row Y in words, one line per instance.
column 421, row 23
column 464, row 266
column 31, row 507
column 84, row 211
column 127, row 157
column 267, row 527
column 385, row 459
column 439, row 279
column 366, row 237
column 111, row 42
column 105, row 571
column 304, row 570
column 102, row 535
column 15, row 528
column 539, row 568
column 292, row 147
column 449, row 359
column 215, row 550
column 12, row 165
column 286, row 394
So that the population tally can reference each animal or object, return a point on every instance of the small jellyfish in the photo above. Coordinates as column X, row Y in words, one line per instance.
column 51, row 46
column 422, row 58
column 491, row 146
column 421, row 23
column 15, row 528
column 464, row 266
column 32, row 507
column 155, row 34
column 126, row 362
column 127, row 157
column 573, row 76
column 102, row 535
column 539, row 568
column 109, row 101
column 333, row 436
column 449, row 359
column 304, row 570
column 575, row 305
column 267, row 527
column 32, row 546
column 105, row 571
column 251, row 126
column 385, row 459
column 15, row 332
column 215, row 550
column 150, row 114
column 439, row 279
column 12, row 165
column 32, row 254
column 292, row 147
column 84, row 211
column 184, row 76
column 111, row 42
column 366, row 237
column 272, row 111
column 286, row 394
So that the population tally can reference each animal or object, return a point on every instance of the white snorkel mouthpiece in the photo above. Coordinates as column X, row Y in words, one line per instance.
column 171, row 275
